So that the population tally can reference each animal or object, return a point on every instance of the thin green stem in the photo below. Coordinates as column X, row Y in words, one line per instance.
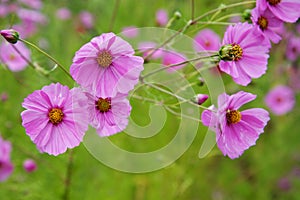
column 222, row 8
column 192, row 22
column 180, row 114
column 67, row 182
column 215, row 23
column 193, row 9
column 114, row 14
column 48, row 56
column 174, row 95
column 173, row 65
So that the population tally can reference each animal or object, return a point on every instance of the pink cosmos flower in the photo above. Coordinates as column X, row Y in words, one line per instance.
column 280, row 100
column 4, row 11
column 35, row 4
column 293, row 48
column 109, row 115
column 286, row 10
column 162, row 17
column 87, row 19
column 147, row 47
column 207, row 39
column 6, row 167
column 244, row 54
column 63, row 13
column 266, row 23
column 56, row 118
column 29, row 165
column 106, row 65
column 172, row 58
column 235, row 130
column 11, row 57
column 26, row 28
column 32, row 16
column 130, row 31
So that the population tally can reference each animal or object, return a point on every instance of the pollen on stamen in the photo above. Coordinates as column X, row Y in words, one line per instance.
column 263, row 23
column 103, row 104
column 274, row 2
column 104, row 59
column 233, row 116
column 55, row 116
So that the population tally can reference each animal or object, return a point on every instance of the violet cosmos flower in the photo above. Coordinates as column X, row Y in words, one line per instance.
column 130, row 31
column 56, row 118
column 11, row 57
column 280, row 100
column 106, row 65
column 207, row 39
column 286, row 10
column 35, row 4
column 109, row 115
column 235, row 130
column 266, row 23
column 147, row 47
column 293, row 48
column 172, row 58
column 87, row 19
column 244, row 54
column 6, row 167
column 63, row 13
column 161, row 17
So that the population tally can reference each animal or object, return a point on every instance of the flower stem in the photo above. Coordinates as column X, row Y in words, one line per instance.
column 68, row 176
column 194, row 21
column 176, row 64
column 48, row 56
column 174, row 95
column 114, row 14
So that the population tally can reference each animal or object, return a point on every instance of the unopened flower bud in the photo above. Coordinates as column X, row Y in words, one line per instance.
column 177, row 15
column 10, row 35
column 247, row 15
column 230, row 52
column 29, row 165
column 200, row 98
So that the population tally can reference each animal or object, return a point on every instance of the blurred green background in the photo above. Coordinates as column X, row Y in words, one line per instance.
column 269, row 170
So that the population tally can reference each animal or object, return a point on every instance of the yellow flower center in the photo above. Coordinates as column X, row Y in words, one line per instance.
column 104, row 59
column 263, row 23
column 103, row 105
column 236, row 52
column 233, row 116
column 274, row 2
column 55, row 115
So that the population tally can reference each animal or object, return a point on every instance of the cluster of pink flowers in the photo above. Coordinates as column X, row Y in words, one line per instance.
column 244, row 55
column 56, row 118
column 245, row 47
column 6, row 166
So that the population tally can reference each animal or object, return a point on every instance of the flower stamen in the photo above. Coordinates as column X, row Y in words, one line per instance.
column 104, row 59
column 55, row 116
column 263, row 23
column 273, row 2
column 233, row 116
column 103, row 104
column 231, row 52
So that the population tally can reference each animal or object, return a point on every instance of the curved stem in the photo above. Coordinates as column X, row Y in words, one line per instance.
column 48, row 56
column 176, row 64
column 192, row 22
column 175, row 95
